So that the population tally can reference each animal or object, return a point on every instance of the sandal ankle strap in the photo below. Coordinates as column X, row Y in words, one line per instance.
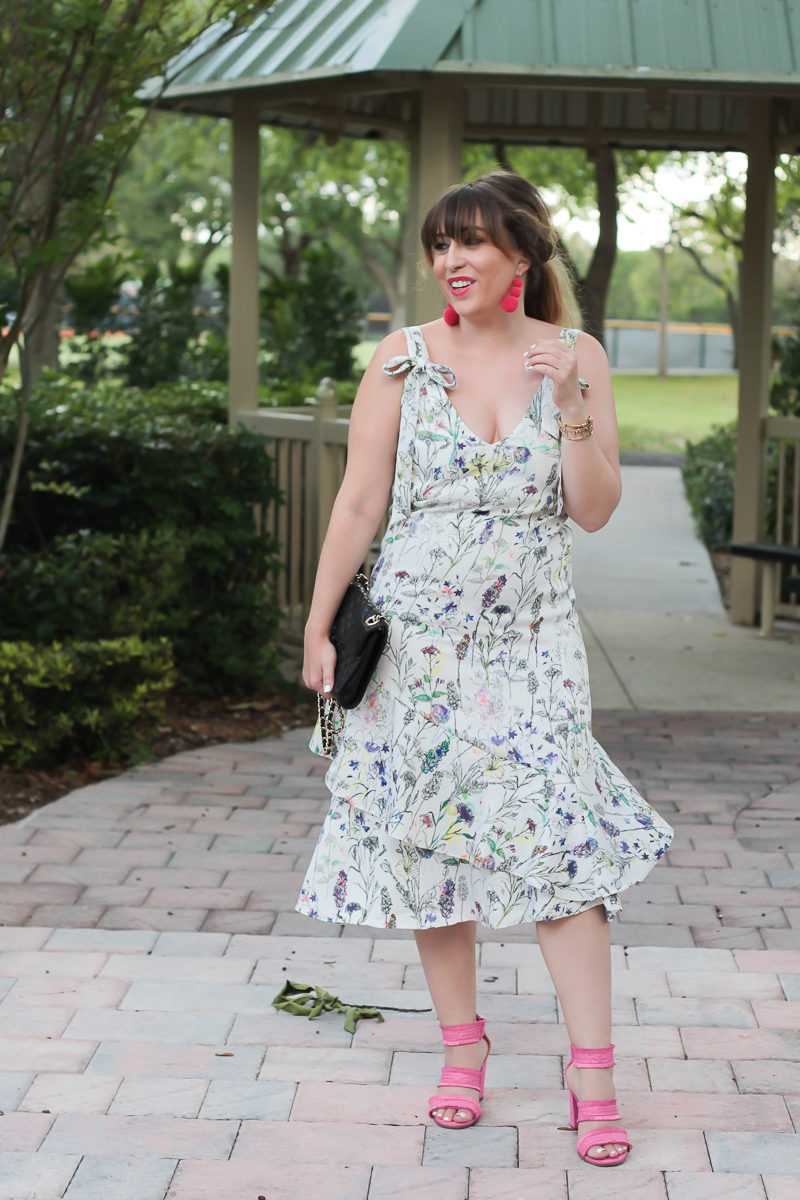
column 598, row 1110
column 463, row 1035
column 582, row 1057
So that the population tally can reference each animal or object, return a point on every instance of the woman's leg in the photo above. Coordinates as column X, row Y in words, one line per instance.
column 448, row 961
column 577, row 952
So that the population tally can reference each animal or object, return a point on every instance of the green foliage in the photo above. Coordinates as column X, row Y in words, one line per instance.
column 92, row 292
column 293, row 393
column 708, row 479
column 634, row 290
column 784, row 394
column 312, row 318
column 123, row 584
column 69, row 115
column 97, row 698
column 144, row 469
column 182, row 165
column 207, row 358
column 709, row 475
column 166, row 323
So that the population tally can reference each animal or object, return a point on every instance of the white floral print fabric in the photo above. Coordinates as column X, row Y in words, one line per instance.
column 467, row 784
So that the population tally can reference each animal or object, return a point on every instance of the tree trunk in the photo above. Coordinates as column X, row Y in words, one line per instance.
column 37, row 348
column 594, row 287
column 392, row 284
column 731, row 295
column 42, row 343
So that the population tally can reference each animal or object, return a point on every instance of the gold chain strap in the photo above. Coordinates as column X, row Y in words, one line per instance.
column 331, row 719
column 331, row 714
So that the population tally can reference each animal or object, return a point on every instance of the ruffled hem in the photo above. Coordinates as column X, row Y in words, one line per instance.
column 612, row 906
column 556, row 826
column 361, row 875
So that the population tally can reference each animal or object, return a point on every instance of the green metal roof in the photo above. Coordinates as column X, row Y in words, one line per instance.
column 671, row 71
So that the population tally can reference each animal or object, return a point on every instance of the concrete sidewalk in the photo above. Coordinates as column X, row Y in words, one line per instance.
column 656, row 632
column 148, row 922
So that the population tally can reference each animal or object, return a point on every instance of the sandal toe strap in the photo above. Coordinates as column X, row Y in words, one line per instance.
column 456, row 1102
column 460, row 1077
column 603, row 1137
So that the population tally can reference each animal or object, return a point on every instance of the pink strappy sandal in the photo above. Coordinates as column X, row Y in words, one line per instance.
column 596, row 1110
column 469, row 1077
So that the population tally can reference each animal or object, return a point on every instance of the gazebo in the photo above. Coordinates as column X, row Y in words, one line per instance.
column 659, row 74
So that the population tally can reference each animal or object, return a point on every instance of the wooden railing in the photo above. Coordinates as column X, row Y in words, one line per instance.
column 782, row 435
column 309, row 449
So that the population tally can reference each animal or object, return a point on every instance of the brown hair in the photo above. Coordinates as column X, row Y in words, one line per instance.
column 515, row 218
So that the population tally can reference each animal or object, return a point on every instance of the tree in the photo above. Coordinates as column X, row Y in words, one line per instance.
column 172, row 199
column 70, row 73
column 711, row 230
column 352, row 194
column 349, row 193
column 574, row 182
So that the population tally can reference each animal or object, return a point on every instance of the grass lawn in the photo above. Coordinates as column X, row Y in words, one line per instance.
column 657, row 414
column 663, row 414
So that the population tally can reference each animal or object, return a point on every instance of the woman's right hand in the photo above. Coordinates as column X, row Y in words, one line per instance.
column 318, row 663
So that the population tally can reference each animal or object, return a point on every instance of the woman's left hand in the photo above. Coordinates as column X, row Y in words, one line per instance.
column 552, row 357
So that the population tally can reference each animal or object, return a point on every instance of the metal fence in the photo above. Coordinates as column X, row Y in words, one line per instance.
column 635, row 346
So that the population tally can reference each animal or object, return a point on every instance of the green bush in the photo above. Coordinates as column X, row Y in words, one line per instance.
column 92, row 293
column 708, row 479
column 311, row 322
column 94, row 698
column 122, row 585
column 118, row 462
column 166, row 324
column 785, row 391
column 292, row 393
column 709, row 474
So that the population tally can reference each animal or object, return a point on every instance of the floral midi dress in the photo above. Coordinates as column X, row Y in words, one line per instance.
column 467, row 785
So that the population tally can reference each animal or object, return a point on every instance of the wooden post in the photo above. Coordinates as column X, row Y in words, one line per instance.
column 243, row 321
column 435, row 164
column 662, row 316
column 755, row 353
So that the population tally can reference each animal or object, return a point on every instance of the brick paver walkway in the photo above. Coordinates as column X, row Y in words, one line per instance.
column 148, row 922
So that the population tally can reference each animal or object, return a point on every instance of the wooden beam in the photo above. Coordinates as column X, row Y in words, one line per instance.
column 754, row 355
column 435, row 164
column 243, row 327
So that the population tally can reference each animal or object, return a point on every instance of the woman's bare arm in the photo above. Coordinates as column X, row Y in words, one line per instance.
column 360, row 504
column 590, row 475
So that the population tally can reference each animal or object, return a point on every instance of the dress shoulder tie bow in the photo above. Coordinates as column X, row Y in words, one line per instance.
column 436, row 371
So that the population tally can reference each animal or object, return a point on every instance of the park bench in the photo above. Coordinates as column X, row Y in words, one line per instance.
column 774, row 589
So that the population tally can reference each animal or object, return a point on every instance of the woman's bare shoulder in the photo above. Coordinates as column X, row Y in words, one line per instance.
column 588, row 348
column 544, row 329
column 389, row 347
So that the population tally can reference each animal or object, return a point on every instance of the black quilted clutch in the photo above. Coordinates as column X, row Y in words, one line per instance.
column 358, row 633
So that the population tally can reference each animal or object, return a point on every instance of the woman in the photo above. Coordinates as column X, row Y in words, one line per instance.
column 467, row 786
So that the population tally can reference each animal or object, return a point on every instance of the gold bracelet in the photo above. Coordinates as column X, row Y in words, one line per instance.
column 576, row 433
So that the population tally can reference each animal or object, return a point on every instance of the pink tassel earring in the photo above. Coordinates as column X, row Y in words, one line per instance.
column 510, row 302
column 450, row 316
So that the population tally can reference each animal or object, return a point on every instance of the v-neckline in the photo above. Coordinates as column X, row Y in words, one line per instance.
column 462, row 422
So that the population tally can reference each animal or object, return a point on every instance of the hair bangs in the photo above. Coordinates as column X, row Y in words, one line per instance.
column 461, row 210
